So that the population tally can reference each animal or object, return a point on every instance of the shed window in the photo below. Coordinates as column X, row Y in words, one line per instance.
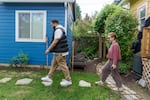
column 30, row 26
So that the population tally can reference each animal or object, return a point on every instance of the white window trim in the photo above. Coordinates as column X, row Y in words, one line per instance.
column 69, row 8
column 138, row 12
column 71, row 17
column 66, row 15
column 17, row 26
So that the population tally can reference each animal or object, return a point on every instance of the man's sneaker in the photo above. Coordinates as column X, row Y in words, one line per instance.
column 46, row 79
column 99, row 83
column 65, row 83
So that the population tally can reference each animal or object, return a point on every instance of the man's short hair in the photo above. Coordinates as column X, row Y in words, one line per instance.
column 55, row 21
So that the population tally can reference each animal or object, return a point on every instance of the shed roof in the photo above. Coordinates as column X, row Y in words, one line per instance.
column 37, row 1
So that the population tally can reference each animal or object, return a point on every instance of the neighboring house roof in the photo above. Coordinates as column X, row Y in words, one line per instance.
column 123, row 3
column 117, row 2
column 120, row 2
column 46, row 1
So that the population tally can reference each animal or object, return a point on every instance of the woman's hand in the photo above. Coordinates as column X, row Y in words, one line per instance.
column 114, row 66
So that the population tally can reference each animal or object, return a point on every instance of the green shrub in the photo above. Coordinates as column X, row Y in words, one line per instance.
column 123, row 24
column 21, row 60
column 80, row 48
column 124, row 68
column 91, row 51
column 99, row 22
column 116, row 19
column 89, row 46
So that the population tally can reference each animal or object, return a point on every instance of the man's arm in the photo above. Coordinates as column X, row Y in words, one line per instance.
column 54, row 43
column 58, row 34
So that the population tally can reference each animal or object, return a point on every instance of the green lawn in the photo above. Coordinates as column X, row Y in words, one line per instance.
column 37, row 91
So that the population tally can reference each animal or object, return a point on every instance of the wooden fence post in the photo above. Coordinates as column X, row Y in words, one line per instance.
column 100, row 45
column 73, row 47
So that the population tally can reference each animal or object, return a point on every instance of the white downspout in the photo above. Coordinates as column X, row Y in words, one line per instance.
column 66, row 15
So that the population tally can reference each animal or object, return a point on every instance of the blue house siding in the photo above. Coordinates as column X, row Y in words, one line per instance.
column 35, row 50
column 69, row 33
column 69, row 37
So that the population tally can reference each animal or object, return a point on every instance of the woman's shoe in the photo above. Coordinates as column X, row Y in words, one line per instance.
column 99, row 83
column 120, row 89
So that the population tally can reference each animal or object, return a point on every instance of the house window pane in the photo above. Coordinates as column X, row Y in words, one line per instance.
column 24, row 25
column 142, row 22
column 30, row 26
column 142, row 16
column 37, row 26
column 142, row 12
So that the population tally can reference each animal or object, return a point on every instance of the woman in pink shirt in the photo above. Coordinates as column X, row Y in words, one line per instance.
column 112, row 65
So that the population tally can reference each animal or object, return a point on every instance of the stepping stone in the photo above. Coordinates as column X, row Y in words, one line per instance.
column 47, row 83
column 110, row 79
column 142, row 82
column 5, row 80
column 132, row 92
column 83, row 83
column 24, row 81
column 130, row 97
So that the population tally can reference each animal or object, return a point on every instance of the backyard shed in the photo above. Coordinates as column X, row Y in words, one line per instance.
column 24, row 25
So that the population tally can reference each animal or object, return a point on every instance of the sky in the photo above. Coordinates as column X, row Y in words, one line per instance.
column 90, row 6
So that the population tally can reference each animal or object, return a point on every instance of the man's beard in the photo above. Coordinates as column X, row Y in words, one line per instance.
column 54, row 27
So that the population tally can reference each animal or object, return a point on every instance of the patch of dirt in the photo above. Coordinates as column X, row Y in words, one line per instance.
column 91, row 65
column 23, row 69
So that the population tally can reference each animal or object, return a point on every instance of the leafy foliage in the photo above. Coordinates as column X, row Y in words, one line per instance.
column 88, row 39
column 123, row 24
column 82, row 26
column 89, row 46
column 21, row 60
column 116, row 19
column 123, row 68
column 78, row 11
column 99, row 22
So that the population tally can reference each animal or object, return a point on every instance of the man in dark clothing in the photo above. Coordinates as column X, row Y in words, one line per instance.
column 59, row 47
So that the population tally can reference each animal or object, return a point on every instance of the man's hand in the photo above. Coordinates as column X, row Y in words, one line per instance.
column 47, row 51
column 54, row 43
column 114, row 66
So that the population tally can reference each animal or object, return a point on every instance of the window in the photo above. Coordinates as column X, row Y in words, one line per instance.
column 30, row 26
column 142, row 16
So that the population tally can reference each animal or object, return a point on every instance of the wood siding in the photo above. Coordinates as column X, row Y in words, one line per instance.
column 136, row 4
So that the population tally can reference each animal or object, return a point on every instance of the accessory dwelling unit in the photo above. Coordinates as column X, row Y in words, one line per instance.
column 24, row 25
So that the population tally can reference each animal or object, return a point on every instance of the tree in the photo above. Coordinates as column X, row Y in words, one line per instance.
column 123, row 24
column 82, row 26
column 116, row 19
column 99, row 22
column 88, row 45
column 78, row 11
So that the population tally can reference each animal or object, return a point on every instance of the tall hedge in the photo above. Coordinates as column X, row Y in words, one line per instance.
column 113, row 18
column 99, row 22
column 123, row 24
